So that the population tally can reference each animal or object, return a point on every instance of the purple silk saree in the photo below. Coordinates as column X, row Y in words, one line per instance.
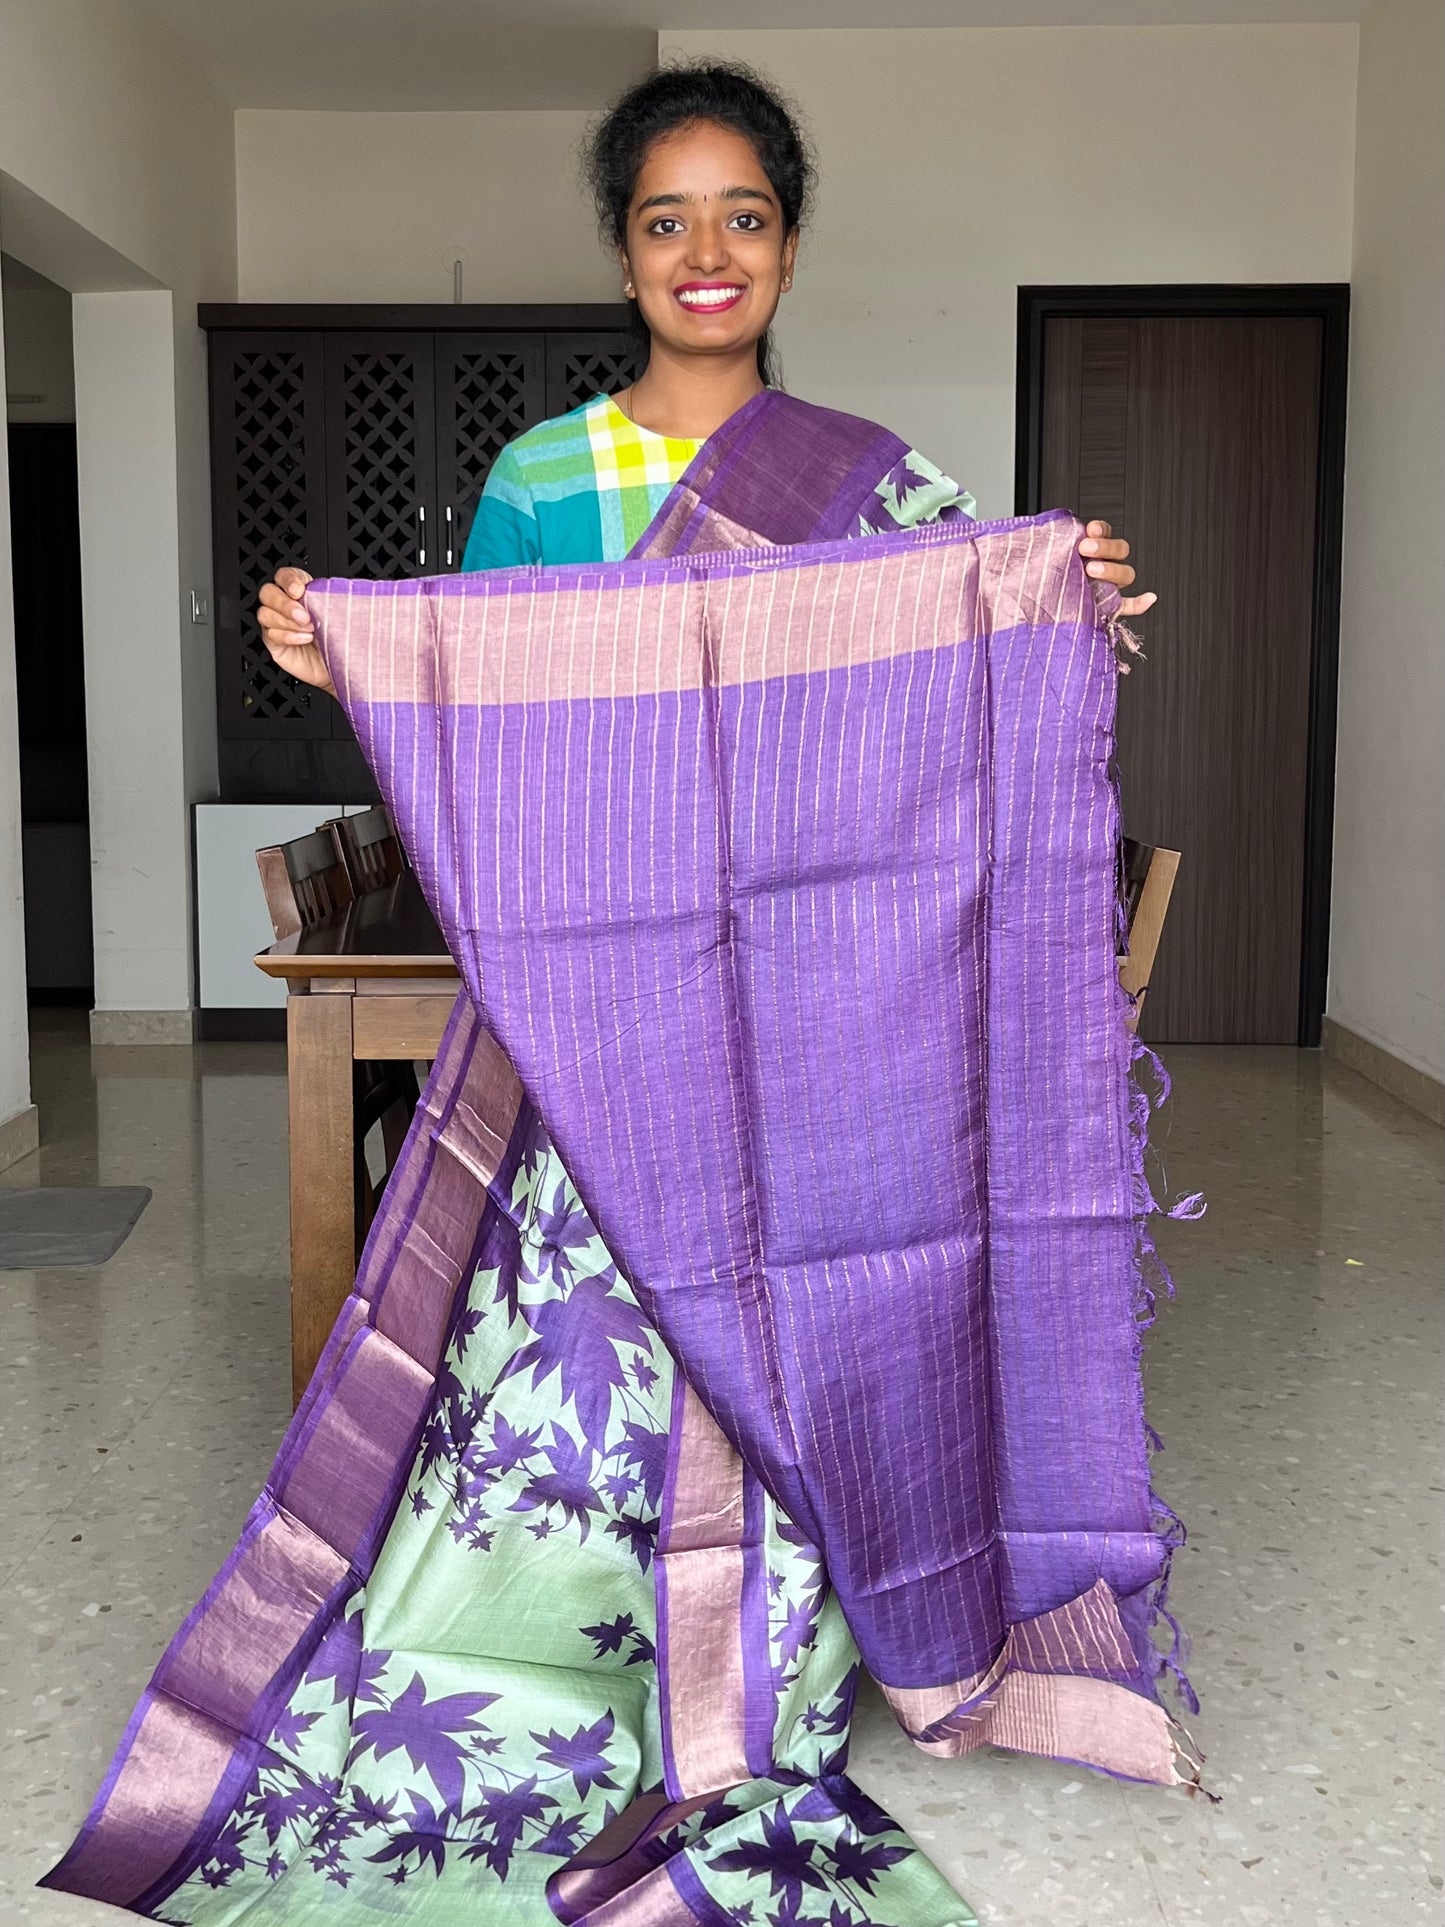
column 780, row 869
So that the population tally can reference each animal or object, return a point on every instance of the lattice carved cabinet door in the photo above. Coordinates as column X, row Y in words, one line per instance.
column 381, row 455
column 269, row 482
column 489, row 388
column 582, row 365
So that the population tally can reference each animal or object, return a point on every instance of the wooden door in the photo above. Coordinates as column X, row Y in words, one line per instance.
column 490, row 386
column 1199, row 438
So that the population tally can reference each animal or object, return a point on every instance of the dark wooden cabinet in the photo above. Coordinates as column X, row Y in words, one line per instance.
column 582, row 362
column 268, row 498
column 489, row 387
column 380, row 455
column 355, row 441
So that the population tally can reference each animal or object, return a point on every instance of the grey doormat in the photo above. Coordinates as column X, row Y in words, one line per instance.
column 67, row 1224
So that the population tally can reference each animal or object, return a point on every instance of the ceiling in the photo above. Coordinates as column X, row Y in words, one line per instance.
column 438, row 54
column 15, row 274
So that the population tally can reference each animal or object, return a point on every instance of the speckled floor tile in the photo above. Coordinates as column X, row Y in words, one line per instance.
column 1295, row 1381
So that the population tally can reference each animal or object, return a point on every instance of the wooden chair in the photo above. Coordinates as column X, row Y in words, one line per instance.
column 367, row 844
column 1146, row 881
column 305, row 882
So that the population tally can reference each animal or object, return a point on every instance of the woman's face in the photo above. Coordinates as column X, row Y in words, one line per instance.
column 706, row 250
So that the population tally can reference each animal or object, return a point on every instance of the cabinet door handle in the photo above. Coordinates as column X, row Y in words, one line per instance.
column 450, row 557
column 420, row 535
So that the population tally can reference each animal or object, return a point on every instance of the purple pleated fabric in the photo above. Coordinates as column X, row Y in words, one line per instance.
column 785, row 878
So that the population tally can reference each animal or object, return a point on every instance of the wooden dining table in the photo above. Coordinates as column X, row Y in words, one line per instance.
column 374, row 982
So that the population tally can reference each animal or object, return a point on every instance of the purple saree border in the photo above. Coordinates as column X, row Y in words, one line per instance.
column 264, row 1516
column 661, row 1581
column 247, row 1752
column 708, row 1684
column 700, row 1904
column 117, row 1873
column 417, row 1159
column 249, row 1531
column 741, row 1698
column 759, row 1701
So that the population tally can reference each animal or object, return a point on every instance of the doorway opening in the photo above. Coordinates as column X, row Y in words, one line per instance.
column 49, row 641
column 1208, row 425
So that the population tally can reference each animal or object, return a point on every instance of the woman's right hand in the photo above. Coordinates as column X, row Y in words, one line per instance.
column 287, row 633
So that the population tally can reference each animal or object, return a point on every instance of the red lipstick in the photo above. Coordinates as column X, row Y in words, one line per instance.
column 708, row 297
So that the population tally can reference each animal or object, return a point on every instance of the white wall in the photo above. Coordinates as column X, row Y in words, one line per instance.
column 16, row 1117
column 125, row 381
column 1387, row 960
column 37, row 353
column 957, row 165
column 117, row 170
column 983, row 158
column 375, row 207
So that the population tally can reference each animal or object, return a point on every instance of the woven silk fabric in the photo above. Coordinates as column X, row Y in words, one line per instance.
column 761, row 1274
column 785, row 880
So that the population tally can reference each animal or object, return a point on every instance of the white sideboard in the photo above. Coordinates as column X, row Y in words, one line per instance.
column 231, row 920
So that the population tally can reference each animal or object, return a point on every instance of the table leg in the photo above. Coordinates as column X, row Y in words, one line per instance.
column 323, row 1223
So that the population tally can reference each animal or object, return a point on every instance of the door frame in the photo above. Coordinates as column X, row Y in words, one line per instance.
column 1329, row 303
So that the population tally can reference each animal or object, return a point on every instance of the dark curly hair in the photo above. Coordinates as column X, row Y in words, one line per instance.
column 679, row 96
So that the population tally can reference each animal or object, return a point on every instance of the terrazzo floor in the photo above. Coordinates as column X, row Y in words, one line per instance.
column 1296, row 1380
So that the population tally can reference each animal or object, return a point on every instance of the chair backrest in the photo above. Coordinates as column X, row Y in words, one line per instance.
column 1146, row 881
column 369, row 848
column 305, row 882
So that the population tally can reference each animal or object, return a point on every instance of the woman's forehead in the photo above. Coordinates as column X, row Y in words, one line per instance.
column 702, row 161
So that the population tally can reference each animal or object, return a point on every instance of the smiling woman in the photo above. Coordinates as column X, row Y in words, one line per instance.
column 553, row 1606
column 702, row 185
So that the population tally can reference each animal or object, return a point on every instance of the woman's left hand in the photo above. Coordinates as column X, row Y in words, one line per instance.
column 1106, row 558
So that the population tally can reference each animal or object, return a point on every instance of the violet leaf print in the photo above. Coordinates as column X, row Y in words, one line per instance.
column 785, row 1861
column 568, row 1486
column 425, row 1837
column 608, row 1635
column 583, row 1755
column 645, row 1451
column 504, row 1813
column 575, row 1337
column 863, row 1865
column 638, row 1535
column 429, row 1732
